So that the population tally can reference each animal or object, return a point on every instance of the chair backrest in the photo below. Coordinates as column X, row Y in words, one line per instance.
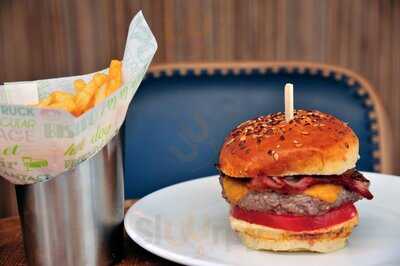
column 182, row 112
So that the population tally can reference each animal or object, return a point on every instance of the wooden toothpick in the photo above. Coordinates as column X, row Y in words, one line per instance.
column 288, row 102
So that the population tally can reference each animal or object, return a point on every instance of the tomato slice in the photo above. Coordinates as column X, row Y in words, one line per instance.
column 296, row 223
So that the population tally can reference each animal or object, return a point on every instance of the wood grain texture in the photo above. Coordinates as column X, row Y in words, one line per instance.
column 51, row 38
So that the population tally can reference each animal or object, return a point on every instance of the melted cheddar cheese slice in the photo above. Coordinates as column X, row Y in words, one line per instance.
column 325, row 192
column 234, row 190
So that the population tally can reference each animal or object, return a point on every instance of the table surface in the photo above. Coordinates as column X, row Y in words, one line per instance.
column 12, row 249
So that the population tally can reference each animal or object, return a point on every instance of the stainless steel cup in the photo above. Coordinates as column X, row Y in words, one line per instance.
column 76, row 218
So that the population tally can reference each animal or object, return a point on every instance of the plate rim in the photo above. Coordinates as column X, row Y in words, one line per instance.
column 161, row 252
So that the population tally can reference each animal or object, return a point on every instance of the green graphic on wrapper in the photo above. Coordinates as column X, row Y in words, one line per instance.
column 73, row 149
column 10, row 150
column 32, row 164
column 101, row 134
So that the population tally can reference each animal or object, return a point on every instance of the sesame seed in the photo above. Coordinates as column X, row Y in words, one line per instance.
column 278, row 146
column 305, row 133
column 275, row 156
column 230, row 141
column 295, row 141
column 298, row 145
column 244, row 123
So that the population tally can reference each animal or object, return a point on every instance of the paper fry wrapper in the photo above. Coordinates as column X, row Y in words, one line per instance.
column 37, row 144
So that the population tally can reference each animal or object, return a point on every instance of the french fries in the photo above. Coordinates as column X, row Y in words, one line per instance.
column 79, row 85
column 87, row 95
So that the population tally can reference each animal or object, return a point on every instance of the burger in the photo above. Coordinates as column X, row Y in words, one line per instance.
column 292, row 184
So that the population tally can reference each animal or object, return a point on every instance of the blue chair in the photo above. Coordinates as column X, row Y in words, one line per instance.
column 182, row 112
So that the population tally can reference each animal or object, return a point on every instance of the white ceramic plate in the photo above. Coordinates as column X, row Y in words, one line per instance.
column 188, row 223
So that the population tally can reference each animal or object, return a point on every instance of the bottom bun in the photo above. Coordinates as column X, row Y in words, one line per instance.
column 323, row 240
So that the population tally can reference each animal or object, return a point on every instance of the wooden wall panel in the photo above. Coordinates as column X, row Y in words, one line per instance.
column 50, row 38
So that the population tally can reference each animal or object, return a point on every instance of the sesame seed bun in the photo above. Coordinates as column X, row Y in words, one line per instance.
column 312, row 143
column 323, row 240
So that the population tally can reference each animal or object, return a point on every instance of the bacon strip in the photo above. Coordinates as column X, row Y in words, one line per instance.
column 351, row 180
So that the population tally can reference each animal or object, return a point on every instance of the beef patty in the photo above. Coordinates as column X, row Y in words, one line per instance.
column 295, row 204
column 284, row 204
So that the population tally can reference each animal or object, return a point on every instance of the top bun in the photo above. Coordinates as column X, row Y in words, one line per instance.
column 312, row 143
